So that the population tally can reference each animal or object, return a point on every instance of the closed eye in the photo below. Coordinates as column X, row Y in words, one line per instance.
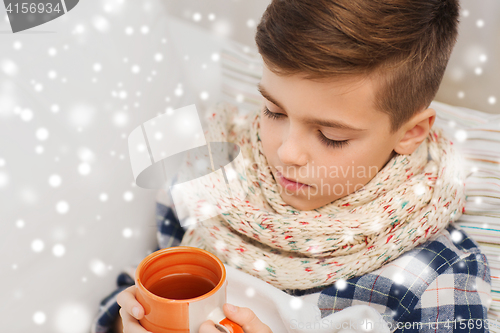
column 272, row 115
column 327, row 142
column 332, row 143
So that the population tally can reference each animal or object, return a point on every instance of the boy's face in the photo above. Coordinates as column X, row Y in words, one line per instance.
column 296, row 148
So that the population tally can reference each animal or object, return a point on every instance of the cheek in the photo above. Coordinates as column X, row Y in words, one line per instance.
column 362, row 163
column 344, row 165
column 269, row 136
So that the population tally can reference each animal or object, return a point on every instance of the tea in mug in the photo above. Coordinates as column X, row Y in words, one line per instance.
column 181, row 286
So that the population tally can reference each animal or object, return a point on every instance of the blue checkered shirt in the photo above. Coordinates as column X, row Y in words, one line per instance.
column 443, row 285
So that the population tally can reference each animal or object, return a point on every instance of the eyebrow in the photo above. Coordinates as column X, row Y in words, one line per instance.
column 311, row 121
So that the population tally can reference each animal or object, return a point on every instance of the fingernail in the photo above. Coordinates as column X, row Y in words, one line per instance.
column 135, row 312
column 231, row 308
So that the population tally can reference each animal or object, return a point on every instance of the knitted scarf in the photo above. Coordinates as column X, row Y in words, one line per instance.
column 409, row 201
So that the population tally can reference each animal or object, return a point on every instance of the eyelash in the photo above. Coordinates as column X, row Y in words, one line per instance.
column 322, row 138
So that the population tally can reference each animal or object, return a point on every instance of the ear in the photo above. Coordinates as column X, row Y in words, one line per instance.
column 415, row 131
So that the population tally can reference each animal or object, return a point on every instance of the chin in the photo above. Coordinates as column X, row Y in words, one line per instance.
column 300, row 204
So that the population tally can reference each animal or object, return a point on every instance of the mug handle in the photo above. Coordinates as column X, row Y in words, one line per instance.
column 228, row 326
column 224, row 325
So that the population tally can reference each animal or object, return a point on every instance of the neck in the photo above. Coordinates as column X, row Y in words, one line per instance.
column 390, row 157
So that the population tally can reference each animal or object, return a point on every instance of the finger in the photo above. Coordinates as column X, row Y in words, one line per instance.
column 130, row 324
column 208, row 327
column 126, row 299
column 246, row 318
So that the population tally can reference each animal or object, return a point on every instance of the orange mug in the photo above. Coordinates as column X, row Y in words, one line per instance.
column 179, row 288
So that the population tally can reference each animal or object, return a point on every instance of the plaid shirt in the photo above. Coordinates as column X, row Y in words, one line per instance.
column 443, row 285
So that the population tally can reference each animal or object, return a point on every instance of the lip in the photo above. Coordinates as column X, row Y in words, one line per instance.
column 288, row 183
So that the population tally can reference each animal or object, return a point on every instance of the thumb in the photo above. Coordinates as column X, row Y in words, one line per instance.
column 246, row 318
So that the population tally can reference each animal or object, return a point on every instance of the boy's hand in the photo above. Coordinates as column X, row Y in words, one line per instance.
column 241, row 316
column 131, row 311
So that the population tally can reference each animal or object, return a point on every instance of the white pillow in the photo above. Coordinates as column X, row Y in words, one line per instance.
column 477, row 135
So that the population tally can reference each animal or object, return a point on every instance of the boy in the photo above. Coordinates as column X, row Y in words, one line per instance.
column 347, row 83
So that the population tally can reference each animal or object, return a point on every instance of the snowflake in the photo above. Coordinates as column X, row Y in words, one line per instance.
column 259, row 264
column 250, row 292
column 398, row 278
column 456, row 236
column 295, row 303
column 39, row 317
column 341, row 284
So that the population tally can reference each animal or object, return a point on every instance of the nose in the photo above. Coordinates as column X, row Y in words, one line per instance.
column 293, row 150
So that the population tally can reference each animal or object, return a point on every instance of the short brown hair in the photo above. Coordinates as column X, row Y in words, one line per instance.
column 407, row 42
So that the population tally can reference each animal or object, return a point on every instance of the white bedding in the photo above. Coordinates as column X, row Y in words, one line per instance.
column 286, row 314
